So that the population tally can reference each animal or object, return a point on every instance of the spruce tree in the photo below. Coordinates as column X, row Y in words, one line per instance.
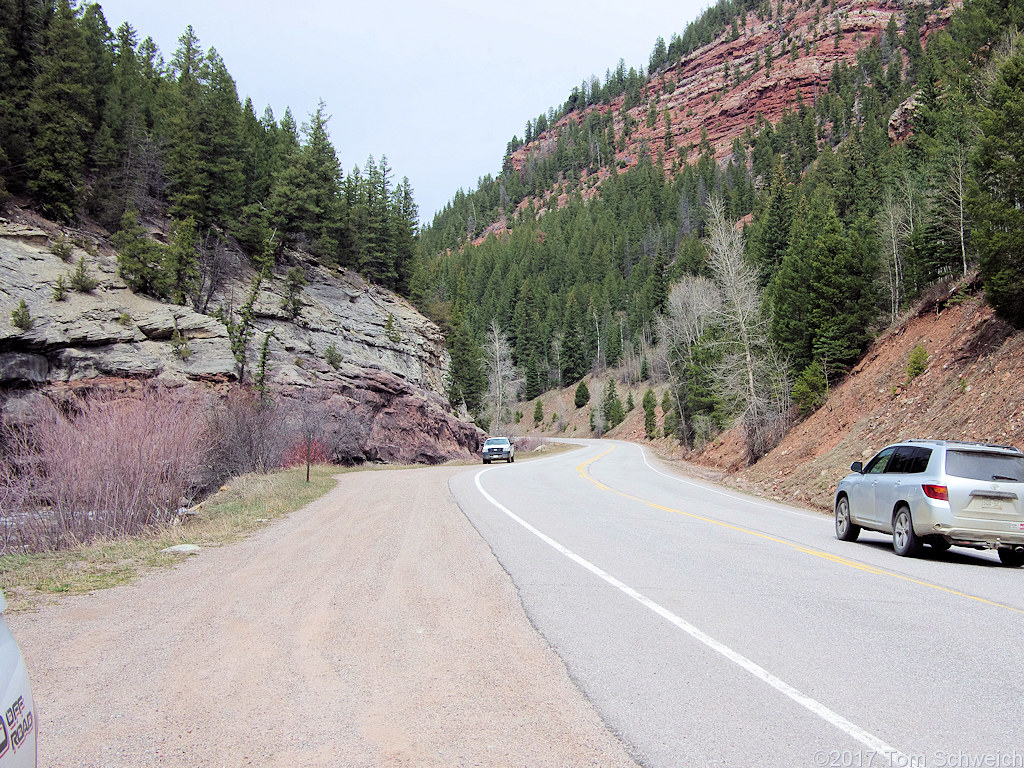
column 997, row 206
column 60, row 115
column 650, row 402
column 181, row 261
column 139, row 259
column 582, row 395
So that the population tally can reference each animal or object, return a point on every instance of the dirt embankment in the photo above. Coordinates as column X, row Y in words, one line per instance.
column 972, row 389
column 373, row 627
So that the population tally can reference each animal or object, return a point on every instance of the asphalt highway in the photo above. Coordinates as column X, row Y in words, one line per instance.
column 713, row 629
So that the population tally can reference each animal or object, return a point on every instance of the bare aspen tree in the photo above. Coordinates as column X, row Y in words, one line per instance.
column 692, row 308
column 752, row 378
column 894, row 227
column 955, row 193
column 503, row 379
column 957, row 135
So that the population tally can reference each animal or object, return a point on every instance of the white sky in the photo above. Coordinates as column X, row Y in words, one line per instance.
column 438, row 87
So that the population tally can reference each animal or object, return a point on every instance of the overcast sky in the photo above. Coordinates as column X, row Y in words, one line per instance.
column 439, row 87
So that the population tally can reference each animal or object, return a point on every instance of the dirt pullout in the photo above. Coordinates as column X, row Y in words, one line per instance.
column 372, row 628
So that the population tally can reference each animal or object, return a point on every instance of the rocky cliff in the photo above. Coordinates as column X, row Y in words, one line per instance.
column 376, row 364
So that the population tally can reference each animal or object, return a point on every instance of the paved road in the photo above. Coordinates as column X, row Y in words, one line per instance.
column 713, row 629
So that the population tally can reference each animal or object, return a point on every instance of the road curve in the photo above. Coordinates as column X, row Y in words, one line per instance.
column 714, row 629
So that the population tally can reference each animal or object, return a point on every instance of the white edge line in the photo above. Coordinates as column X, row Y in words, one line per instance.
column 814, row 706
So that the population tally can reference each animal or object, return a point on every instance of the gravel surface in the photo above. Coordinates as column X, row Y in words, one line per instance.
column 372, row 628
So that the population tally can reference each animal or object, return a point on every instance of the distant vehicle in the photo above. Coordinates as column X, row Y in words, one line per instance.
column 937, row 492
column 499, row 448
column 18, row 720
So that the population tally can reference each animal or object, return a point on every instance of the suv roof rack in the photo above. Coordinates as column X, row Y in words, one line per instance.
column 1013, row 448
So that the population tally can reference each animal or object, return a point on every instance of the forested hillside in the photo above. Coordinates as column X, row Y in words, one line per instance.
column 893, row 167
column 95, row 123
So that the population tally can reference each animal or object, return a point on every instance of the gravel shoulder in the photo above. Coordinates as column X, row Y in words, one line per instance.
column 373, row 627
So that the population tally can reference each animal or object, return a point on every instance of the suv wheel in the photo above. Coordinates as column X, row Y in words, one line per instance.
column 1011, row 557
column 846, row 530
column 904, row 540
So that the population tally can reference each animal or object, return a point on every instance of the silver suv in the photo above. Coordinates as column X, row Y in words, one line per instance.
column 17, row 710
column 940, row 493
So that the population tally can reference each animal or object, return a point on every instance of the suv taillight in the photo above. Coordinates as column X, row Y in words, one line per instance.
column 937, row 492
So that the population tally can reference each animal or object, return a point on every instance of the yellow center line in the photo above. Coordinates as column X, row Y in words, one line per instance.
column 583, row 472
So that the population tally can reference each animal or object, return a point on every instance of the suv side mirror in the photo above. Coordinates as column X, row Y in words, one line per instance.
column 857, row 467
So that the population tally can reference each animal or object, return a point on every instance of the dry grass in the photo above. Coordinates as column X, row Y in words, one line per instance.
column 244, row 505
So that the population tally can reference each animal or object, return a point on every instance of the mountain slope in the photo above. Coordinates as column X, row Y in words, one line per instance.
column 721, row 91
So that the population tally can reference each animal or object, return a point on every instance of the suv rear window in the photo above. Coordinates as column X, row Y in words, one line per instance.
column 978, row 465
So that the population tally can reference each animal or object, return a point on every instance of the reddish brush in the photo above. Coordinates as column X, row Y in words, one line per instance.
column 110, row 467
column 295, row 455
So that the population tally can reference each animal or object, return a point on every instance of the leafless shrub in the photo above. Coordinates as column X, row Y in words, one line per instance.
column 349, row 428
column 529, row 443
column 309, row 420
column 248, row 434
column 109, row 467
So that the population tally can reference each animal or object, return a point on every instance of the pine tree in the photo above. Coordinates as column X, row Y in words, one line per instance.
column 119, row 144
column 181, row 130
column 22, row 27
column 582, row 395
column 574, row 350
column 139, row 259
column 404, row 226
column 650, row 402
column 60, row 114
column 181, row 261
column 997, row 206
column 220, row 179
column 467, row 380
column 771, row 234
column 376, row 256
column 611, row 406
column 304, row 203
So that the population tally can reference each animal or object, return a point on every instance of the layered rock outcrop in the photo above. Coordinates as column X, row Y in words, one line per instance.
column 367, row 355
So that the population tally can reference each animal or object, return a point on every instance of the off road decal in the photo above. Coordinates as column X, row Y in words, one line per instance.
column 17, row 725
